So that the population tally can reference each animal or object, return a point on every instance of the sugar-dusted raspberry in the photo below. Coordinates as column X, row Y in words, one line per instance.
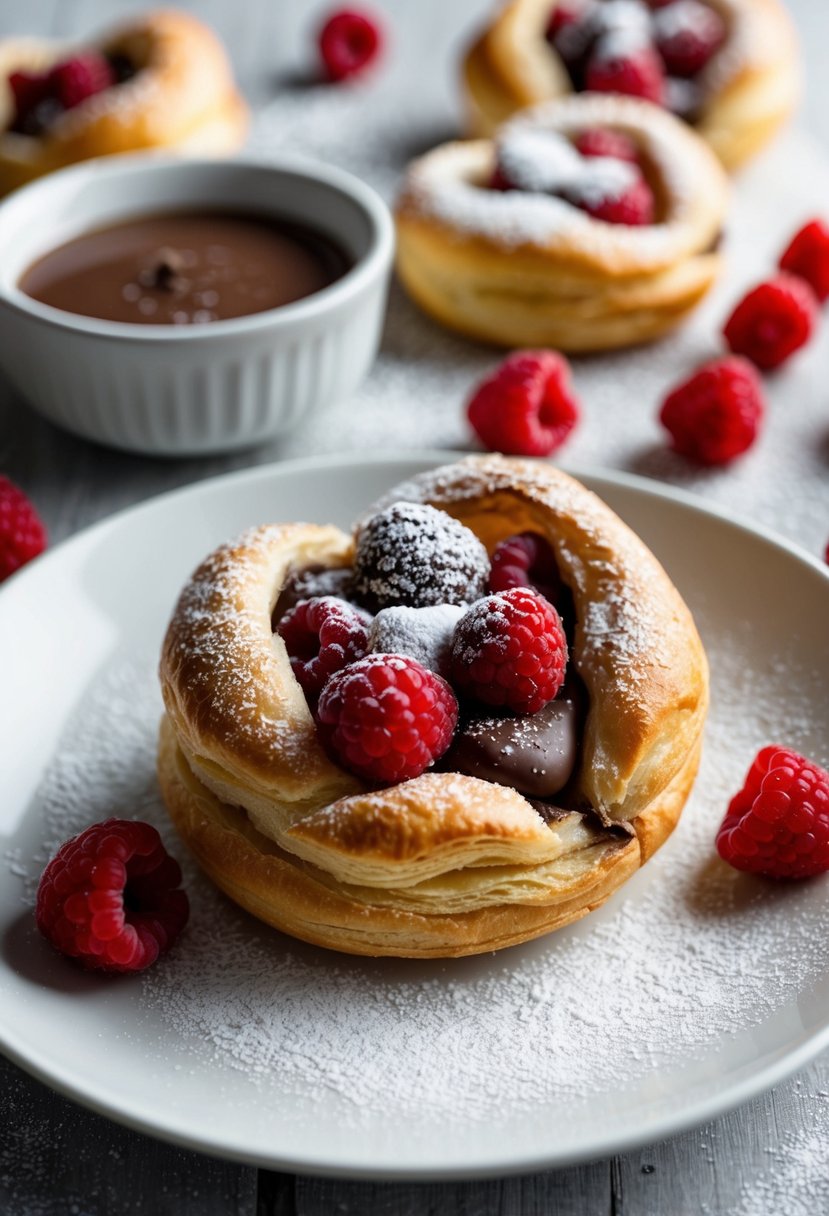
column 572, row 28
column 322, row 636
column 527, row 407
column 310, row 582
column 637, row 73
column 386, row 718
column 416, row 555
column 603, row 141
column 773, row 321
column 778, row 823
column 22, row 534
column 716, row 415
column 76, row 79
column 509, row 650
column 807, row 256
column 349, row 42
column 634, row 206
column 526, row 560
column 424, row 634
column 687, row 34
column 110, row 898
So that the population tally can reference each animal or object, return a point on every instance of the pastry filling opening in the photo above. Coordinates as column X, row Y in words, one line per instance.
column 39, row 99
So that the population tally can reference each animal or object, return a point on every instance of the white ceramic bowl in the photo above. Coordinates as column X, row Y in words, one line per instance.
column 182, row 390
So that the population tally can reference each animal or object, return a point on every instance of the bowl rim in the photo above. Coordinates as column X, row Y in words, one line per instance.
column 369, row 267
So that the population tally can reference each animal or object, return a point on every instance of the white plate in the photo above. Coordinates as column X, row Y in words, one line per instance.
column 691, row 991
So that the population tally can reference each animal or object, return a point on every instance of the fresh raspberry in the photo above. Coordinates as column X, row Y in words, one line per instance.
column 110, row 897
column 635, row 206
column 778, row 824
column 72, row 81
column 716, row 415
column 323, row 635
column 386, row 718
column 773, row 321
column 807, row 256
column 602, row 141
column 687, row 34
column 637, row 73
column 572, row 28
column 348, row 42
column 527, row 406
column 509, row 650
column 525, row 560
column 28, row 90
column 22, row 535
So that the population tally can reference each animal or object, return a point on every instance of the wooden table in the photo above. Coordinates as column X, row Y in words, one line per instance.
column 56, row 1157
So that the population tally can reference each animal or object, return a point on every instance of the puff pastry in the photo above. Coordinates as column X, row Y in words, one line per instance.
column 180, row 96
column 742, row 96
column 444, row 864
column 527, row 269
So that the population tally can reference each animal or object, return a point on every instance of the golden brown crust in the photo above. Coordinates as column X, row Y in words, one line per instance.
column 182, row 98
column 751, row 86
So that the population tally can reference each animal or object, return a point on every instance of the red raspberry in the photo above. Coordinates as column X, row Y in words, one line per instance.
column 572, row 28
column 778, row 824
column 72, row 81
column 509, row 650
column 638, row 74
column 635, row 207
column 348, row 42
column 22, row 535
column 386, row 718
column 687, row 34
column 110, row 897
column 602, row 141
column 525, row 560
column 715, row 415
column 323, row 635
column 28, row 90
column 773, row 321
column 527, row 406
column 807, row 256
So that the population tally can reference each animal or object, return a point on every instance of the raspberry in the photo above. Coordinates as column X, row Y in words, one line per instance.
column 634, row 206
column 773, row 321
column 527, row 406
column 525, row 560
column 602, row 141
column 510, row 650
column 348, row 42
column 778, row 823
column 715, row 415
column 386, row 718
column 323, row 635
column 572, row 28
column 687, row 34
column 110, row 897
column 413, row 554
column 637, row 73
column 807, row 256
column 72, row 81
column 22, row 535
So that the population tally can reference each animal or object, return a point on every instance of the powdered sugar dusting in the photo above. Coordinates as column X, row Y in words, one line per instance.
column 424, row 634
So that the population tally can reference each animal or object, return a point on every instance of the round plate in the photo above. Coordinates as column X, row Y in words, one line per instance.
column 690, row 991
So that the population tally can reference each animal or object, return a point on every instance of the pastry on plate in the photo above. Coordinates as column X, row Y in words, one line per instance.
column 493, row 731
column 727, row 67
column 161, row 80
column 585, row 224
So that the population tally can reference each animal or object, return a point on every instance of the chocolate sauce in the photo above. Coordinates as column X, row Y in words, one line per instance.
column 186, row 268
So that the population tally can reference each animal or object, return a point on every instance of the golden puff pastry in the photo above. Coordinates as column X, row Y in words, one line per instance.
column 523, row 268
column 736, row 102
column 179, row 95
column 444, row 864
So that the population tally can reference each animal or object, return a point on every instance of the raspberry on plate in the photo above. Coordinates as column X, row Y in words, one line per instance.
column 110, row 897
column 323, row 635
column 509, row 650
column 638, row 73
column 807, row 256
column 602, row 141
column 687, row 34
column 386, row 718
column 716, row 415
column 773, row 321
column 525, row 560
column 349, row 42
column 22, row 534
column 778, row 823
column 527, row 407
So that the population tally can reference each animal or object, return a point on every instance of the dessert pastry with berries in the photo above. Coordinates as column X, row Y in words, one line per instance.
column 159, row 81
column 463, row 727
column 585, row 224
column 727, row 67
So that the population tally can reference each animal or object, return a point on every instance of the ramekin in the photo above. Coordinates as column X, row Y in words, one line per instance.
column 190, row 390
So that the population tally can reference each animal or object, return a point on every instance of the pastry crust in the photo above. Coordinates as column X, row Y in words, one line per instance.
column 521, row 269
column 749, row 89
column 445, row 864
column 182, row 98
